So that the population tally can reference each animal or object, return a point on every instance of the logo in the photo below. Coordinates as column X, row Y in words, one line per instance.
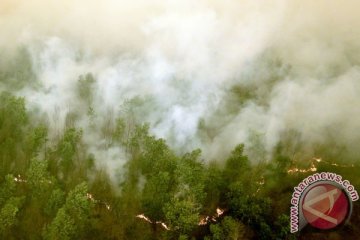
column 325, row 206
column 323, row 201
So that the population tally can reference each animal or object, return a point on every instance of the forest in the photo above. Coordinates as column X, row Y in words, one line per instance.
column 53, row 190
column 174, row 120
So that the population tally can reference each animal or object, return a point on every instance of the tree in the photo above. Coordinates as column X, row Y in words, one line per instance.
column 7, row 188
column 37, row 139
column 63, row 227
column 78, row 205
column 55, row 201
column 13, row 119
column 182, row 216
column 214, row 187
column 67, row 148
column 156, row 193
column 18, row 72
column 71, row 219
column 8, row 214
column 156, row 156
column 228, row 229
column 283, row 227
column 250, row 209
column 12, row 116
column 39, row 179
column 237, row 165
column 38, row 184
column 190, row 175
column 119, row 132
column 85, row 87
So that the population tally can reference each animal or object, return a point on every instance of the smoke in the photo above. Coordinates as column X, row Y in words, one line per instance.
column 208, row 74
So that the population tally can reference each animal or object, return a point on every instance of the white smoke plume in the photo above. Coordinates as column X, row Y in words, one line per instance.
column 209, row 74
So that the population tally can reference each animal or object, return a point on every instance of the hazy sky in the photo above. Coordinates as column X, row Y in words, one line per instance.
column 183, row 57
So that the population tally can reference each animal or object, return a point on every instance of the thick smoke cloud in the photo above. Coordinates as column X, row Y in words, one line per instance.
column 207, row 74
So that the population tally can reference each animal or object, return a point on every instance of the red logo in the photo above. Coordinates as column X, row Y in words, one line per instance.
column 325, row 206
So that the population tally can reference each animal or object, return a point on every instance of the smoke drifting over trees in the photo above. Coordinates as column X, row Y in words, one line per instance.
column 253, row 67
column 103, row 86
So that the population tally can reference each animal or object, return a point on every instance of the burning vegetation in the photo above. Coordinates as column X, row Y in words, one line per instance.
column 173, row 119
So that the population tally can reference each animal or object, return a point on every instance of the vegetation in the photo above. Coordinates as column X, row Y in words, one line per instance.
column 53, row 187
column 52, row 192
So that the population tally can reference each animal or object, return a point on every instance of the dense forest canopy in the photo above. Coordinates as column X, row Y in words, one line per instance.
column 176, row 120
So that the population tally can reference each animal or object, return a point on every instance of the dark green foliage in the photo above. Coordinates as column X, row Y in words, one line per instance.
column 214, row 186
column 37, row 139
column 53, row 188
column 55, row 201
column 156, row 193
column 71, row 220
column 18, row 72
column 78, row 205
column 13, row 119
column 182, row 215
column 68, row 146
column 85, row 87
column 7, row 188
column 38, row 178
column 119, row 132
column 237, row 165
column 62, row 227
column 228, row 229
column 283, row 227
column 249, row 208
column 8, row 214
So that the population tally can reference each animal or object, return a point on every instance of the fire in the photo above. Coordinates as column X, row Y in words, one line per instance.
column 262, row 181
column 90, row 197
column 341, row 165
column 19, row 179
column 311, row 169
column 142, row 216
column 207, row 219
column 333, row 164
column 204, row 221
column 219, row 212
column 163, row 225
